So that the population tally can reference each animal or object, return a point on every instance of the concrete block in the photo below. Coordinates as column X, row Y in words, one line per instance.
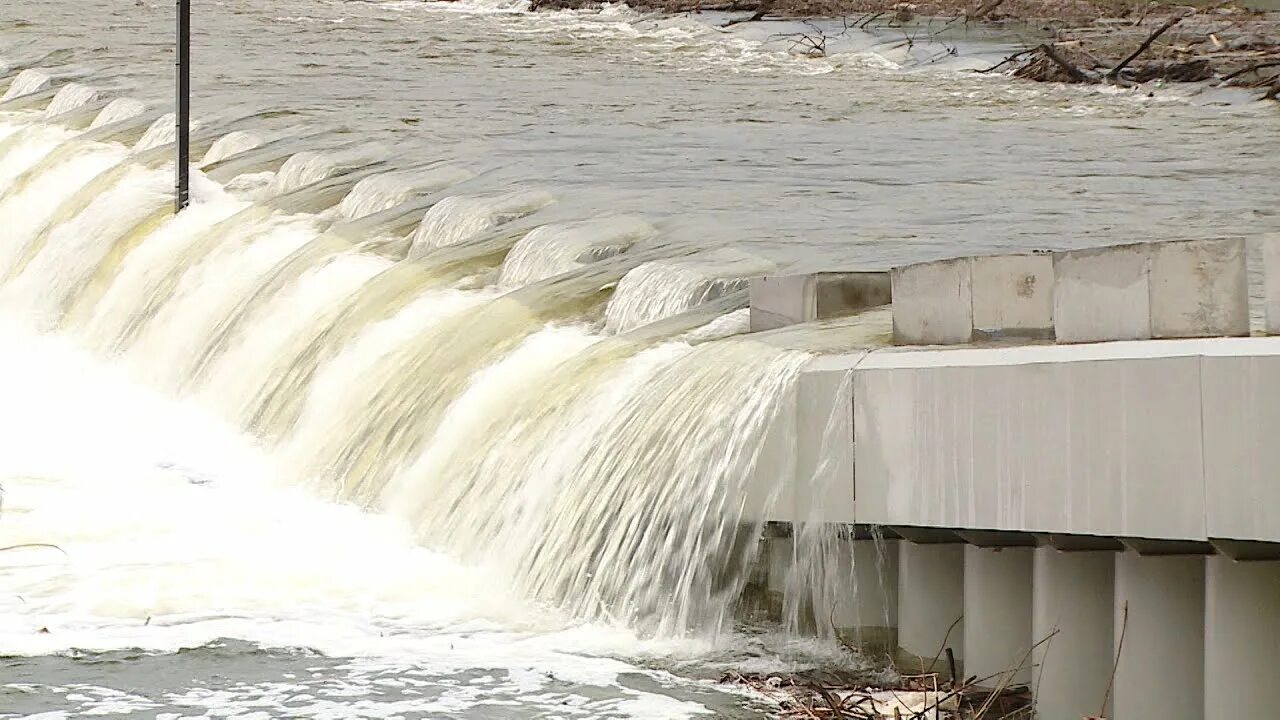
column 930, row 603
column 997, row 615
column 1159, row 612
column 1013, row 296
column 933, row 303
column 1240, row 384
column 1199, row 288
column 1072, row 601
column 1080, row 440
column 1242, row 638
column 1102, row 294
column 781, row 300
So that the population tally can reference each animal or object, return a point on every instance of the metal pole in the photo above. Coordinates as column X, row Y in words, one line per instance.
column 183, row 101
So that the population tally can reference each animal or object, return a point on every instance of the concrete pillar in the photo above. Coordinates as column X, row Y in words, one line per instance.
column 1159, row 633
column 1072, row 599
column 930, row 601
column 997, row 614
column 865, row 611
column 1242, row 638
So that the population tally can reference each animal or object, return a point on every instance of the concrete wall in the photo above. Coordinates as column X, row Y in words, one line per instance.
column 1129, row 292
column 1100, row 440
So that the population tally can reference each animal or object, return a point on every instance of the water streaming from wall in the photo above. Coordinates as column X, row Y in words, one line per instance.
column 596, row 452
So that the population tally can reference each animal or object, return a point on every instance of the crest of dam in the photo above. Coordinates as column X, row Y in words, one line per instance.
column 573, row 400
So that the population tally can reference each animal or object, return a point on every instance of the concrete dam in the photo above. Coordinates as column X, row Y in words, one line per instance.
column 1055, row 466
column 1061, row 470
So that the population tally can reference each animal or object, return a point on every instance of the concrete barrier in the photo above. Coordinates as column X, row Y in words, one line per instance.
column 1093, row 439
column 1199, row 288
column 1102, row 294
column 933, row 303
column 1013, row 296
column 781, row 300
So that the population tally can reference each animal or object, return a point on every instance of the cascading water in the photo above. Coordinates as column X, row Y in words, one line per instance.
column 28, row 81
column 117, row 110
column 71, row 97
column 559, row 406
column 455, row 219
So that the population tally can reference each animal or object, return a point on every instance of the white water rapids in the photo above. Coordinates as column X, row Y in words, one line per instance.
column 245, row 422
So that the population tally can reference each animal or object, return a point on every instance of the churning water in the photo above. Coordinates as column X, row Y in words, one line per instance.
column 439, row 400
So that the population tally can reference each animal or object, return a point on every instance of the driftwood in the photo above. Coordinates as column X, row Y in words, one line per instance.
column 1115, row 71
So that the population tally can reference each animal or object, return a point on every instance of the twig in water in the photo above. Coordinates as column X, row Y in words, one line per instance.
column 1106, row 696
column 1006, row 61
column 945, row 638
column 1115, row 71
column 1251, row 68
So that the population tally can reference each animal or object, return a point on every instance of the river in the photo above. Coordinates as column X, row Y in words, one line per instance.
column 481, row 460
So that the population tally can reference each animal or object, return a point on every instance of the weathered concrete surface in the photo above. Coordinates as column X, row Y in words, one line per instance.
column 1102, row 294
column 782, row 300
column 824, row 440
column 997, row 615
column 933, row 303
column 930, row 604
column 1159, row 612
column 1242, row 439
column 1013, row 296
column 1092, row 439
column 1072, row 601
column 1242, row 638
column 1199, row 289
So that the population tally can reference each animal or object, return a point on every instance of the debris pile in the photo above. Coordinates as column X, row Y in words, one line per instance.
column 827, row 695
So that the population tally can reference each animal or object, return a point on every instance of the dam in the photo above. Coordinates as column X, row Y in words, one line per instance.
column 1064, row 458
column 472, row 387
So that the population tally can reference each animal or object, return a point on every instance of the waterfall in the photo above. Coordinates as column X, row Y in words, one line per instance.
column 573, row 405
column 231, row 144
column 26, row 82
column 549, row 250
column 455, row 219
column 117, row 110
column 71, row 96
column 384, row 191
column 669, row 286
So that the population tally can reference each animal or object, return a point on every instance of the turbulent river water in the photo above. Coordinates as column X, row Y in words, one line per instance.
column 439, row 400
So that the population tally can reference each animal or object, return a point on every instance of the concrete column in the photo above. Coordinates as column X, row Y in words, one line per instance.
column 866, row 603
column 997, row 614
column 1159, row 633
column 1242, row 638
column 930, row 601
column 1072, row 598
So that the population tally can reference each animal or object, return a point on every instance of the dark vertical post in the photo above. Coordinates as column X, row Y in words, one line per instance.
column 183, row 112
